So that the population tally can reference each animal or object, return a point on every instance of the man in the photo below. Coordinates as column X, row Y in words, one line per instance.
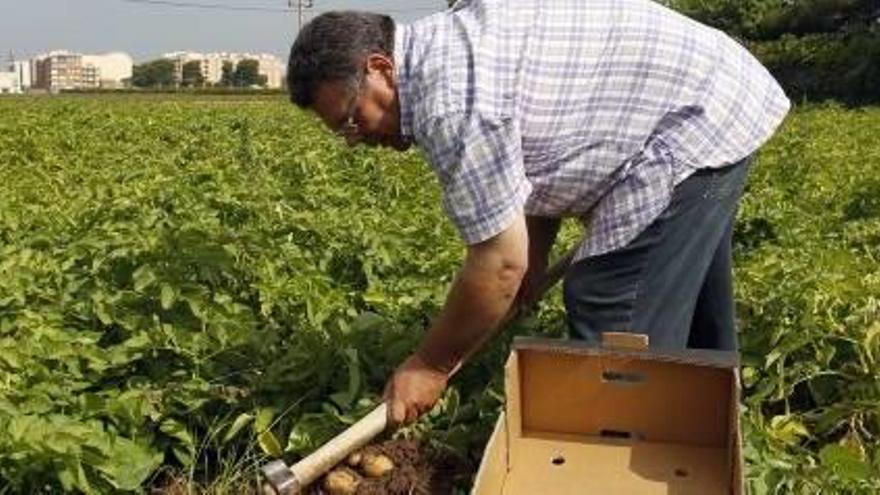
column 622, row 113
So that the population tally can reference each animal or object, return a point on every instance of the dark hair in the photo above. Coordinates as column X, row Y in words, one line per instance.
column 332, row 47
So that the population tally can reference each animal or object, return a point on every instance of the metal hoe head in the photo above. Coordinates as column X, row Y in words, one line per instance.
column 281, row 480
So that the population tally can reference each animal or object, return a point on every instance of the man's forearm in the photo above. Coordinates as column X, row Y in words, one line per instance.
column 480, row 297
column 542, row 235
column 474, row 308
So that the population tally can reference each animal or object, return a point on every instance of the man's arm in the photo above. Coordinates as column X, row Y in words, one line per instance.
column 542, row 234
column 480, row 297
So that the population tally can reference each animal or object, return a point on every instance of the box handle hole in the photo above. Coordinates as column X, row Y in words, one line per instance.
column 623, row 377
column 681, row 473
column 624, row 435
column 558, row 460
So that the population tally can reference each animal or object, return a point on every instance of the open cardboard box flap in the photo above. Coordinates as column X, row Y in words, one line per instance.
column 616, row 419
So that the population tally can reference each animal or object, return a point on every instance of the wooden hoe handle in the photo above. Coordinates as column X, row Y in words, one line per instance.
column 333, row 452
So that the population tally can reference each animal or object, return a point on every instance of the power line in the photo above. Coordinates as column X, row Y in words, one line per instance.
column 408, row 10
column 243, row 8
column 393, row 11
column 209, row 6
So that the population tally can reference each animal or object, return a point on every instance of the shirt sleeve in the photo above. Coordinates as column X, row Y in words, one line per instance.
column 479, row 164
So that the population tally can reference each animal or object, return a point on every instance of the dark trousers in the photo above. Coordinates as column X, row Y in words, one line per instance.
column 674, row 281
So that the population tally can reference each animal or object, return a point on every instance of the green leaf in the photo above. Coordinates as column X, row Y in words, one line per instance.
column 310, row 431
column 197, row 307
column 844, row 462
column 72, row 475
column 298, row 441
column 345, row 399
column 129, row 464
column 788, row 429
column 265, row 438
column 368, row 322
column 872, row 342
column 183, row 455
column 240, row 422
column 10, row 357
column 167, row 297
column 264, row 419
column 178, row 430
column 8, row 408
column 269, row 444
column 143, row 277
column 103, row 313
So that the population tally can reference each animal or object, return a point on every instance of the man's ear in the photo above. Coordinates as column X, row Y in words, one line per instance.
column 382, row 66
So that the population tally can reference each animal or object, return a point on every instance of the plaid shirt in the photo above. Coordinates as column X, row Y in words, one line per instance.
column 592, row 109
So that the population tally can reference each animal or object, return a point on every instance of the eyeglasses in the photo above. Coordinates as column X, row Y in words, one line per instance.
column 350, row 129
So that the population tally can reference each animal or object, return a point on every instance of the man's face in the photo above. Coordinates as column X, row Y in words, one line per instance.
column 368, row 113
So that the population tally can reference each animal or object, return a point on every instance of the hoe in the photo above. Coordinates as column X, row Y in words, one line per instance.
column 282, row 479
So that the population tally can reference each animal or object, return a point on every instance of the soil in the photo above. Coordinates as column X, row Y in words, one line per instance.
column 418, row 470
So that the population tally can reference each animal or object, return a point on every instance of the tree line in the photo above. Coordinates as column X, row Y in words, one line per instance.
column 161, row 73
column 817, row 49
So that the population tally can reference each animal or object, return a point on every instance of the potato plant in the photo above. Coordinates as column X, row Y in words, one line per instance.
column 188, row 286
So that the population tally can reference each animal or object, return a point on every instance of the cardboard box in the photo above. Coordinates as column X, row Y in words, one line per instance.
column 620, row 419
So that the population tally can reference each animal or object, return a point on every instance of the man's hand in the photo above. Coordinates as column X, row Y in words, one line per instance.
column 413, row 390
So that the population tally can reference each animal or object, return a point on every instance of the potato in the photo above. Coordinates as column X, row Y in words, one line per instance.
column 354, row 459
column 341, row 481
column 376, row 465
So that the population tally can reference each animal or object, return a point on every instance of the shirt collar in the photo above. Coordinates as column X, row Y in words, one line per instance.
column 403, row 62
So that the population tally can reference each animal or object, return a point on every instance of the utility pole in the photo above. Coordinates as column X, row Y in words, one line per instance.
column 301, row 5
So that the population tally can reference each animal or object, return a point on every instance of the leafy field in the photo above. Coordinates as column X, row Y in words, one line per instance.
column 186, row 286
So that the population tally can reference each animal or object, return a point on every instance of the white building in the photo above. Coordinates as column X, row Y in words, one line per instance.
column 24, row 69
column 211, row 65
column 110, row 70
column 57, row 70
column 9, row 83
column 182, row 58
column 62, row 69
column 271, row 67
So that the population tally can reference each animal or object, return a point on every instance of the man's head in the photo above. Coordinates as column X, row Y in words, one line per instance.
column 342, row 67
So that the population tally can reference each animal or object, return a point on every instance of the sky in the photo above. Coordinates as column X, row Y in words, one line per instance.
column 147, row 30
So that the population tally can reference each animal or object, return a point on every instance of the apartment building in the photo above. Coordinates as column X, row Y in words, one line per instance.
column 211, row 65
column 271, row 67
column 24, row 70
column 207, row 64
column 60, row 70
column 10, row 77
column 9, row 83
column 107, row 71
